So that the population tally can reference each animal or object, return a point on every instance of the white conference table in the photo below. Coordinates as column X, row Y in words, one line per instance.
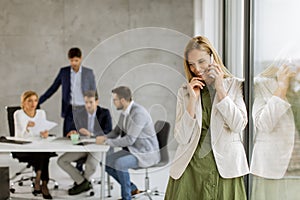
column 53, row 144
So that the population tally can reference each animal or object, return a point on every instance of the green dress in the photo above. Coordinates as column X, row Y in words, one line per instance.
column 201, row 179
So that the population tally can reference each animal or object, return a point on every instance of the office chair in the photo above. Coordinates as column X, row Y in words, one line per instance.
column 162, row 129
column 20, row 156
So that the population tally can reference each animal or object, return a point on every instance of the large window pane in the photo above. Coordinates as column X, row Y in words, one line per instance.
column 276, row 107
column 234, row 37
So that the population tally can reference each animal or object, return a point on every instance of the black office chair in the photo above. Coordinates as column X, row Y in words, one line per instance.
column 162, row 129
column 21, row 156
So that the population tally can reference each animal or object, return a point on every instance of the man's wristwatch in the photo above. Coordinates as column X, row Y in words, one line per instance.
column 105, row 142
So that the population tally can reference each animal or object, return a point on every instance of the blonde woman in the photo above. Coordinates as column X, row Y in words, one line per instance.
column 25, row 119
column 210, row 160
column 275, row 110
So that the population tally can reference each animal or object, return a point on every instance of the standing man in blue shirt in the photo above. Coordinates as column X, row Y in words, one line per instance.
column 75, row 81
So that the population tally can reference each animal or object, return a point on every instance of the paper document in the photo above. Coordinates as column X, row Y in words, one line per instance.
column 86, row 141
column 42, row 125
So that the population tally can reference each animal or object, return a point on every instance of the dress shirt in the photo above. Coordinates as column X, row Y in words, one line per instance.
column 77, row 98
column 91, row 122
column 126, row 113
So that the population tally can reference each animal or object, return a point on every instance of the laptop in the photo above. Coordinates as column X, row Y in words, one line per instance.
column 3, row 139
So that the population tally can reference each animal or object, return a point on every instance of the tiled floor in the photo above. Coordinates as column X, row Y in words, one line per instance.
column 158, row 179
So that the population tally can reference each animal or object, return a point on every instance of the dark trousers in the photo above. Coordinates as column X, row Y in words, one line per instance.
column 69, row 123
column 39, row 161
column 42, row 163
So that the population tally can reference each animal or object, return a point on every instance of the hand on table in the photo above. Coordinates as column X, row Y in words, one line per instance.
column 85, row 132
column 44, row 134
column 101, row 139
column 71, row 132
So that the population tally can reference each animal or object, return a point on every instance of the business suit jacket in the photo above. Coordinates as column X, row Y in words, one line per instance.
column 64, row 79
column 274, row 131
column 228, row 119
column 140, row 136
column 102, row 124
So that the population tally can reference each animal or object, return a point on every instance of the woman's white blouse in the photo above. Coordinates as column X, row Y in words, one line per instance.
column 21, row 120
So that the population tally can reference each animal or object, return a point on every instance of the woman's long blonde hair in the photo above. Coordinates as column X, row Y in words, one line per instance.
column 202, row 43
column 26, row 95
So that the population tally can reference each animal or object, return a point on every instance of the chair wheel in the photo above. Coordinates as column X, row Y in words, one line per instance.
column 12, row 190
column 92, row 193
column 20, row 183
column 55, row 187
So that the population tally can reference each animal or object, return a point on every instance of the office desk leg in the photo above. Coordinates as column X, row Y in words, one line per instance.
column 102, row 192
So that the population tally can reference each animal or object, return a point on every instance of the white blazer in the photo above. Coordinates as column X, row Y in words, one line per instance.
column 274, row 131
column 228, row 119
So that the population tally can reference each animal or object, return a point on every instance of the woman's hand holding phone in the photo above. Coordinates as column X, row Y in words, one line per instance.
column 211, row 69
column 217, row 74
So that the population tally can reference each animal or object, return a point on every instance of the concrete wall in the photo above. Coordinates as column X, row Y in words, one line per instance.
column 35, row 36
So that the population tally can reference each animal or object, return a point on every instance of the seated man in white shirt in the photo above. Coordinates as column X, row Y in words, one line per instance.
column 94, row 121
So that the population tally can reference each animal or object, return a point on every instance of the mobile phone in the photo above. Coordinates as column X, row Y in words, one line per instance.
column 211, row 59
column 211, row 62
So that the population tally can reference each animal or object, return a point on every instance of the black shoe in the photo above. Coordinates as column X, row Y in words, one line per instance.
column 47, row 196
column 82, row 187
column 45, row 191
column 36, row 192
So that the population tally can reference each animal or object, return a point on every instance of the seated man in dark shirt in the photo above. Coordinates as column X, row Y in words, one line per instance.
column 90, row 122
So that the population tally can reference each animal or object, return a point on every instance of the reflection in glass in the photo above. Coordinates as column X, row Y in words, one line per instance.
column 276, row 112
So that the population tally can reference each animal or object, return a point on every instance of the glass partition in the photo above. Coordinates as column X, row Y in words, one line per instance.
column 275, row 113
